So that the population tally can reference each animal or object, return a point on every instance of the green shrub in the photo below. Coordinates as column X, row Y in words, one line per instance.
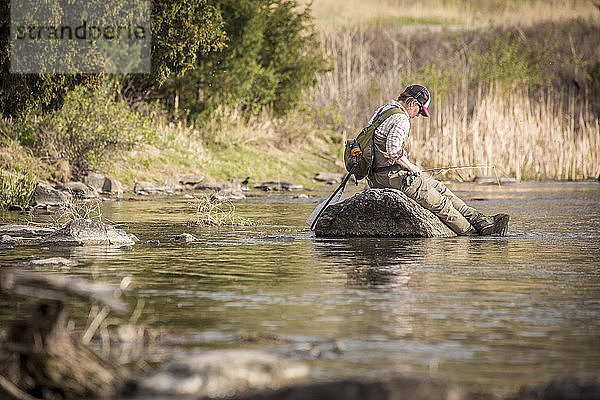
column 88, row 129
column 440, row 80
column 16, row 190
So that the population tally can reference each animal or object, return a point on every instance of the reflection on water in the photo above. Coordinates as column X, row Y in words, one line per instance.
column 489, row 311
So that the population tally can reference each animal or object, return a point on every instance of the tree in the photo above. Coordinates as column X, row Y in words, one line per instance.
column 272, row 55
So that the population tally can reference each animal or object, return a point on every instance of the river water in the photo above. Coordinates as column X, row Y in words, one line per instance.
column 494, row 313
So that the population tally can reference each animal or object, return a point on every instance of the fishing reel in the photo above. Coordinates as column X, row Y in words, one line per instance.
column 355, row 153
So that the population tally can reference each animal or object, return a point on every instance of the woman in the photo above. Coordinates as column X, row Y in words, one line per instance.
column 392, row 169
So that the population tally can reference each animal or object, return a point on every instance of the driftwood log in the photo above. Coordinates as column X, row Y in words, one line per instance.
column 47, row 361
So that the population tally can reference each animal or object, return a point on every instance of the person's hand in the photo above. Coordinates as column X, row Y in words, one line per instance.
column 415, row 170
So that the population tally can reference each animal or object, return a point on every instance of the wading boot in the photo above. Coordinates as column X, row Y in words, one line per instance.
column 471, row 232
column 496, row 225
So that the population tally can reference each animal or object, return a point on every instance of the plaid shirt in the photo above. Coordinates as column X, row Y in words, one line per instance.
column 394, row 130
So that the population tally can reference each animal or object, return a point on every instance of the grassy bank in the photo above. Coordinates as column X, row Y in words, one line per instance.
column 230, row 147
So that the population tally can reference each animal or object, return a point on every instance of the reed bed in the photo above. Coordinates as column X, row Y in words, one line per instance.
column 526, row 133
column 522, row 138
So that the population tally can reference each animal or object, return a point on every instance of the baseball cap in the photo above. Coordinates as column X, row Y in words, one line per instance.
column 421, row 94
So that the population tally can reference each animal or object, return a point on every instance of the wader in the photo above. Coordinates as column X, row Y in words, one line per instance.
column 428, row 192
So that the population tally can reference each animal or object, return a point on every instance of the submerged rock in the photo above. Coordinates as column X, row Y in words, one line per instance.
column 222, row 373
column 53, row 262
column 84, row 232
column 184, row 238
column 9, row 242
column 24, row 230
column 380, row 213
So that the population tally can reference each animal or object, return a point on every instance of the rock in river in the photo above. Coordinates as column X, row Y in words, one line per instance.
column 380, row 213
column 80, row 190
column 329, row 177
column 81, row 232
column 47, row 195
column 221, row 373
column 104, row 184
column 53, row 262
column 276, row 185
column 227, row 194
column 9, row 242
column 25, row 230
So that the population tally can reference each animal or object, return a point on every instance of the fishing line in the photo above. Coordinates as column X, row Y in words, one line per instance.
column 435, row 171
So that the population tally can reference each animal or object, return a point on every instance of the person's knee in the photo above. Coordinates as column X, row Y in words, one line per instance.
column 440, row 205
column 439, row 186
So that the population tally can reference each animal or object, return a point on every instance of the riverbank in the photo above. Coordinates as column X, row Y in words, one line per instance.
column 261, row 148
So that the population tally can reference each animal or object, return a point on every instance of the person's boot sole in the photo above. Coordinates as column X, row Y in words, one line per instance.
column 499, row 227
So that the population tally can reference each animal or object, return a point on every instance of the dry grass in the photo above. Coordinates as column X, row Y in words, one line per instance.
column 74, row 209
column 334, row 14
column 230, row 146
column 209, row 212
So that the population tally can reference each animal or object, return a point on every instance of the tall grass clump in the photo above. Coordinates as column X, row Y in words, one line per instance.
column 209, row 212
column 16, row 191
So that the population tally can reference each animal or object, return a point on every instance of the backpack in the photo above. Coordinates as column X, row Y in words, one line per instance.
column 359, row 152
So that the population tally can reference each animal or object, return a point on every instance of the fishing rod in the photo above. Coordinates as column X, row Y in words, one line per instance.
column 458, row 167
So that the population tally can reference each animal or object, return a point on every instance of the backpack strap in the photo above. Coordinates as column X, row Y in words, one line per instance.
column 378, row 120
column 383, row 115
